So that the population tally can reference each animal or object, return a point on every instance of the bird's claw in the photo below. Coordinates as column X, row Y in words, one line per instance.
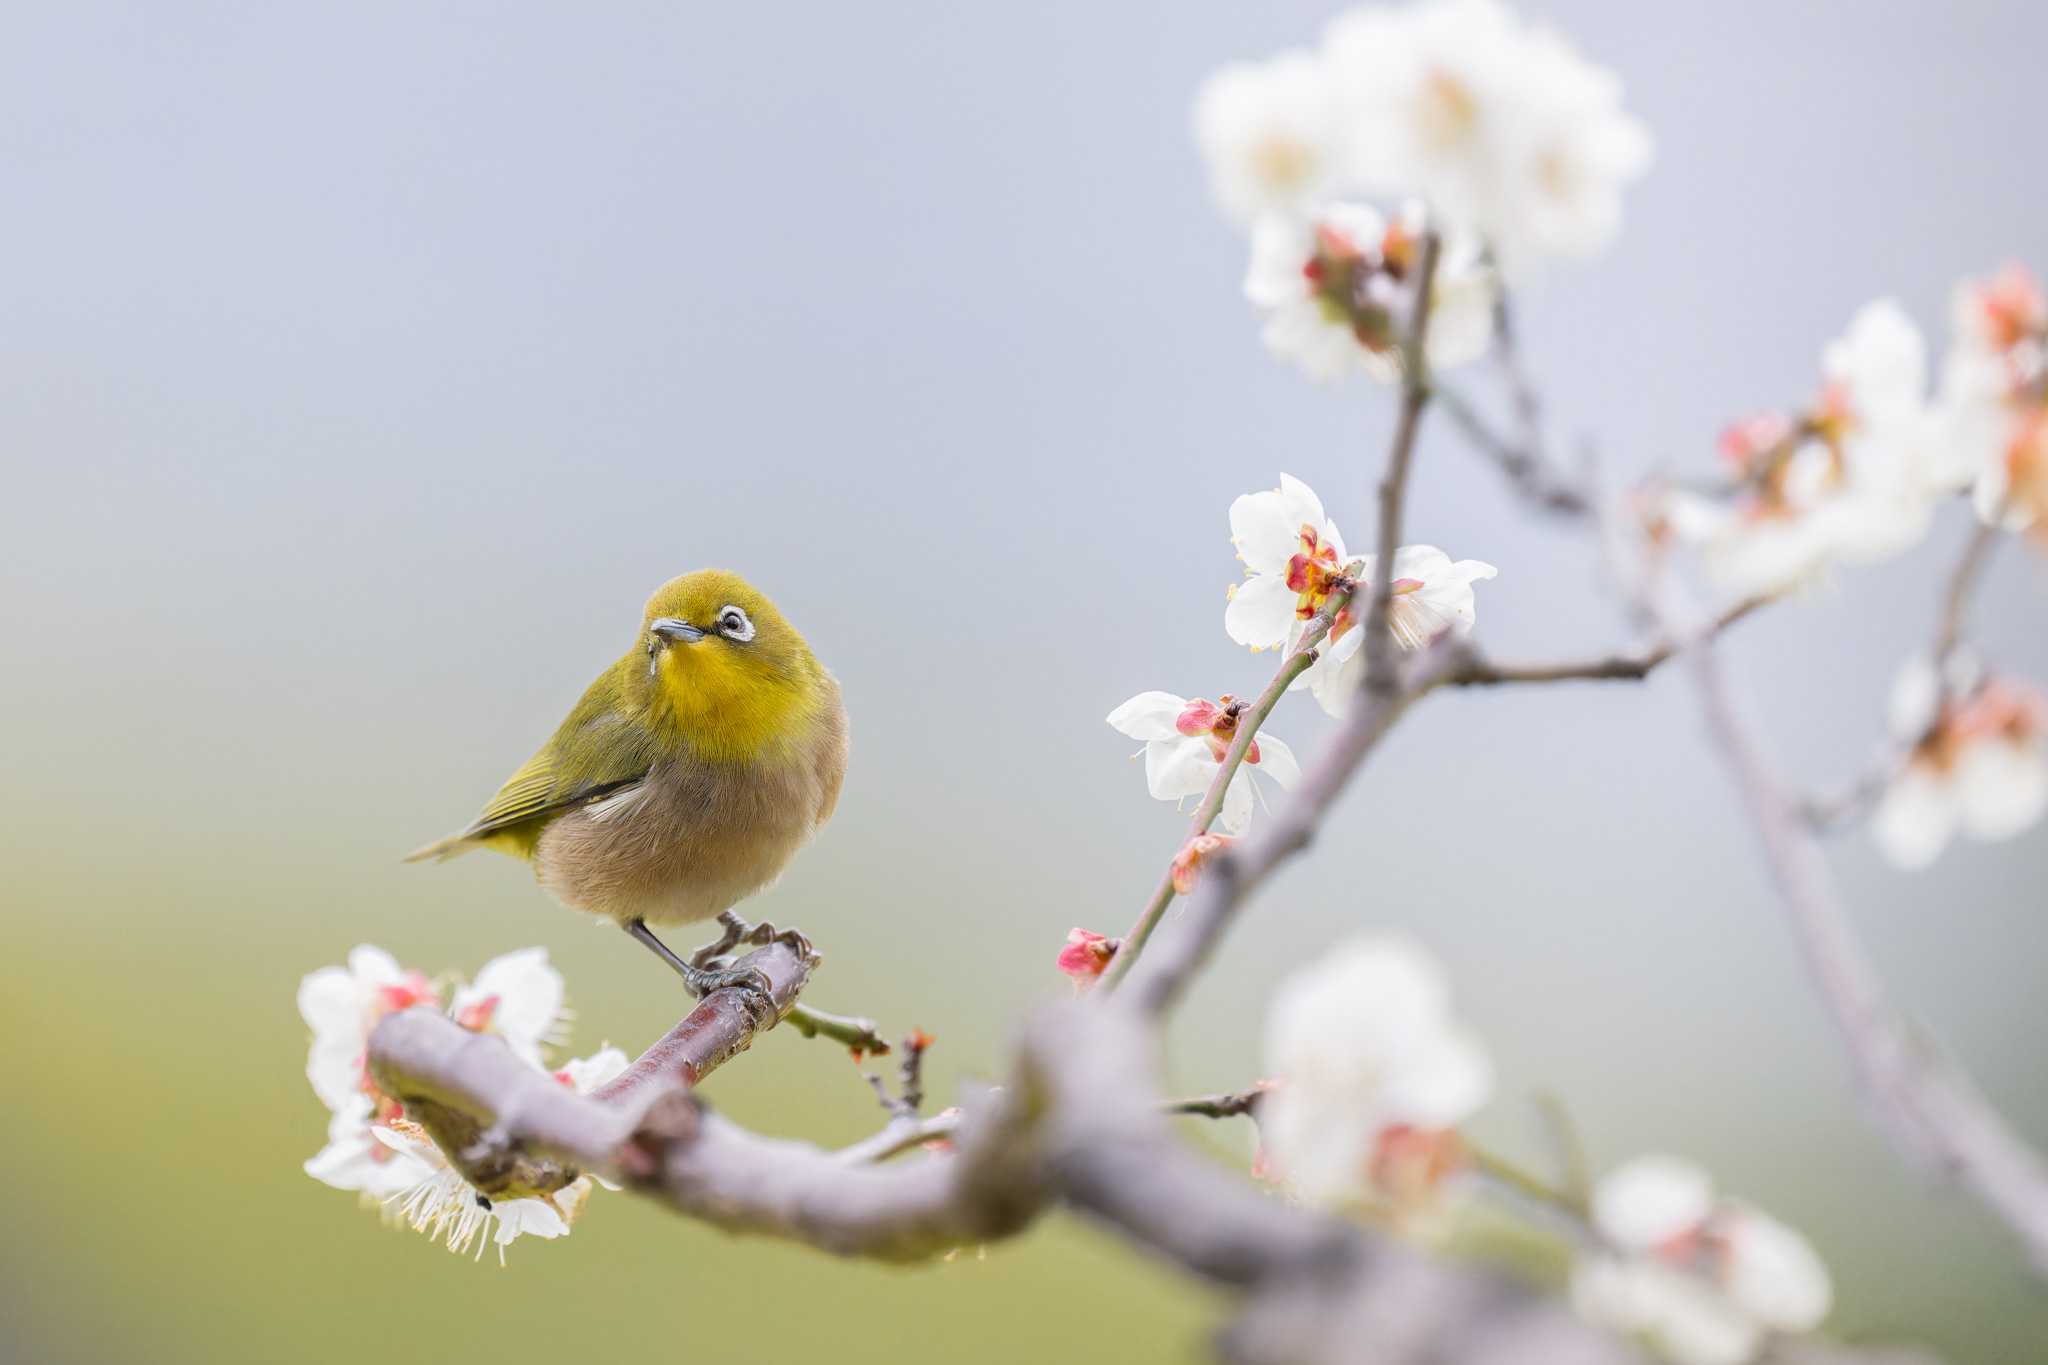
column 738, row 931
column 756, row 990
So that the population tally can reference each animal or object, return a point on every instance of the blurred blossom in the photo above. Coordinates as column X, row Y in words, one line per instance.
column 1706, row 1280
column 1979, row 764
column 1854, row 479
column 1271, row 135
column 1994, row 395
column 1432, row 597
column 1086, row 954
column 1185, row 741
column 1335, row 289
column 1497, row 123
column 1372, row 1076
column 1187, row 864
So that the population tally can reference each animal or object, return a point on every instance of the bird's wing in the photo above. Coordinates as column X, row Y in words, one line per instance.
column 598, row 750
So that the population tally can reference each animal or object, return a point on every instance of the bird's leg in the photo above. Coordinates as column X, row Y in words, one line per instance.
column 738, row 931
column 700, row 980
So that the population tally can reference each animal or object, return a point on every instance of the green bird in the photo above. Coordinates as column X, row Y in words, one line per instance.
column 687, row 777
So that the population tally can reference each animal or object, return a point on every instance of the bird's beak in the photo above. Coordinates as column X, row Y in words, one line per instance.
column 676, row 632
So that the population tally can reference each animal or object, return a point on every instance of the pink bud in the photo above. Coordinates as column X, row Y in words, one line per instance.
column 1086, row 955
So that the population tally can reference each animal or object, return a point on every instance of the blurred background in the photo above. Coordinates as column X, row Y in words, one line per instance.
column 367, row 367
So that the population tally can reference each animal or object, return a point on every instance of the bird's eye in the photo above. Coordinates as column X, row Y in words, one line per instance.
column 734, row 625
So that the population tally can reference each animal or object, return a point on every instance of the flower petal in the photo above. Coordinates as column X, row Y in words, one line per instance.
column 1149, row 715
column 1277, row 761
column 1178, row 767
column 1261, row 612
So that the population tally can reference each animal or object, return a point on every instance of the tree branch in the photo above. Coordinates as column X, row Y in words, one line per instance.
column 1477, row 671
column 1927, row 1104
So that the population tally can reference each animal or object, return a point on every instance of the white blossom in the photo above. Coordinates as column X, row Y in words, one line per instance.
column 1978, row 764
column 1432, row 598
column 1993, row 398
column 519, row 997
column 1293, row 556
column 1853, row 481
column 1704, row 1279
column 1185, row 741
column 1271, row 134
column 1334, row 289
column 1368, row 1063
column 354, row 1158
column 341, row 1005
column 1496, row 122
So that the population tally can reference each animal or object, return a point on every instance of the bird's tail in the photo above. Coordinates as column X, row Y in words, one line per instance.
column 441, row 850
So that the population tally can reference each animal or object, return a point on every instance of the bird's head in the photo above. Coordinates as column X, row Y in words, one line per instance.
column 727, row 673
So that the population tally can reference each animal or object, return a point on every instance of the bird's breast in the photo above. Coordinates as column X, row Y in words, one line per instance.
column 692, row 838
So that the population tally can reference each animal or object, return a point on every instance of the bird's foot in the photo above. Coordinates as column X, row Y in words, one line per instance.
column 702, row 981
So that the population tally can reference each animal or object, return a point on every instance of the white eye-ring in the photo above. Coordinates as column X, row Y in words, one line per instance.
column 734, row 625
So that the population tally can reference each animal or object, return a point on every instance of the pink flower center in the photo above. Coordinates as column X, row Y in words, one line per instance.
column 1408, row 1163
column 1216, row 723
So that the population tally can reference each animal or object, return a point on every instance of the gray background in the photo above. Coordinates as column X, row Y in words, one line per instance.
column 366, row 367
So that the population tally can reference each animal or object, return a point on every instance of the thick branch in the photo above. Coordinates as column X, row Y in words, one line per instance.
column 1075, row 1124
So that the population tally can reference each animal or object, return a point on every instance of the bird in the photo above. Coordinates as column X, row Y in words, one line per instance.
column 686, row 779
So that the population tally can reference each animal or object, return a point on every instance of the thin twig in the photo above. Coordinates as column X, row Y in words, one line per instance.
column 1955, row 602
column 1379, row 647
column 1478, row 671
column 859, row 1034
column 1297, row 662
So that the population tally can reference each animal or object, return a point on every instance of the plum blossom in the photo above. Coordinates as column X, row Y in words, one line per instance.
column 1086, row 955
column 1498, row 123
column 1853, row 479
column 1704, row 1279
column 372, row 1148
column 1978, row 764
column 1271, row 134
column 1372, row 1076
column 519, row 997
column 1293, row 559
column 1994, row 395
column 341, row 1005
column 1185, row 741
column 448, row 1209
column 1432, row 597
column 1334, row 289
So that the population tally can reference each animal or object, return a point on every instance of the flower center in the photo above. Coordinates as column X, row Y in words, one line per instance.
column 1215, row 722
column 1312, row 573
column 1284, row 162
column 476, row 1016
column 1449, row 109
